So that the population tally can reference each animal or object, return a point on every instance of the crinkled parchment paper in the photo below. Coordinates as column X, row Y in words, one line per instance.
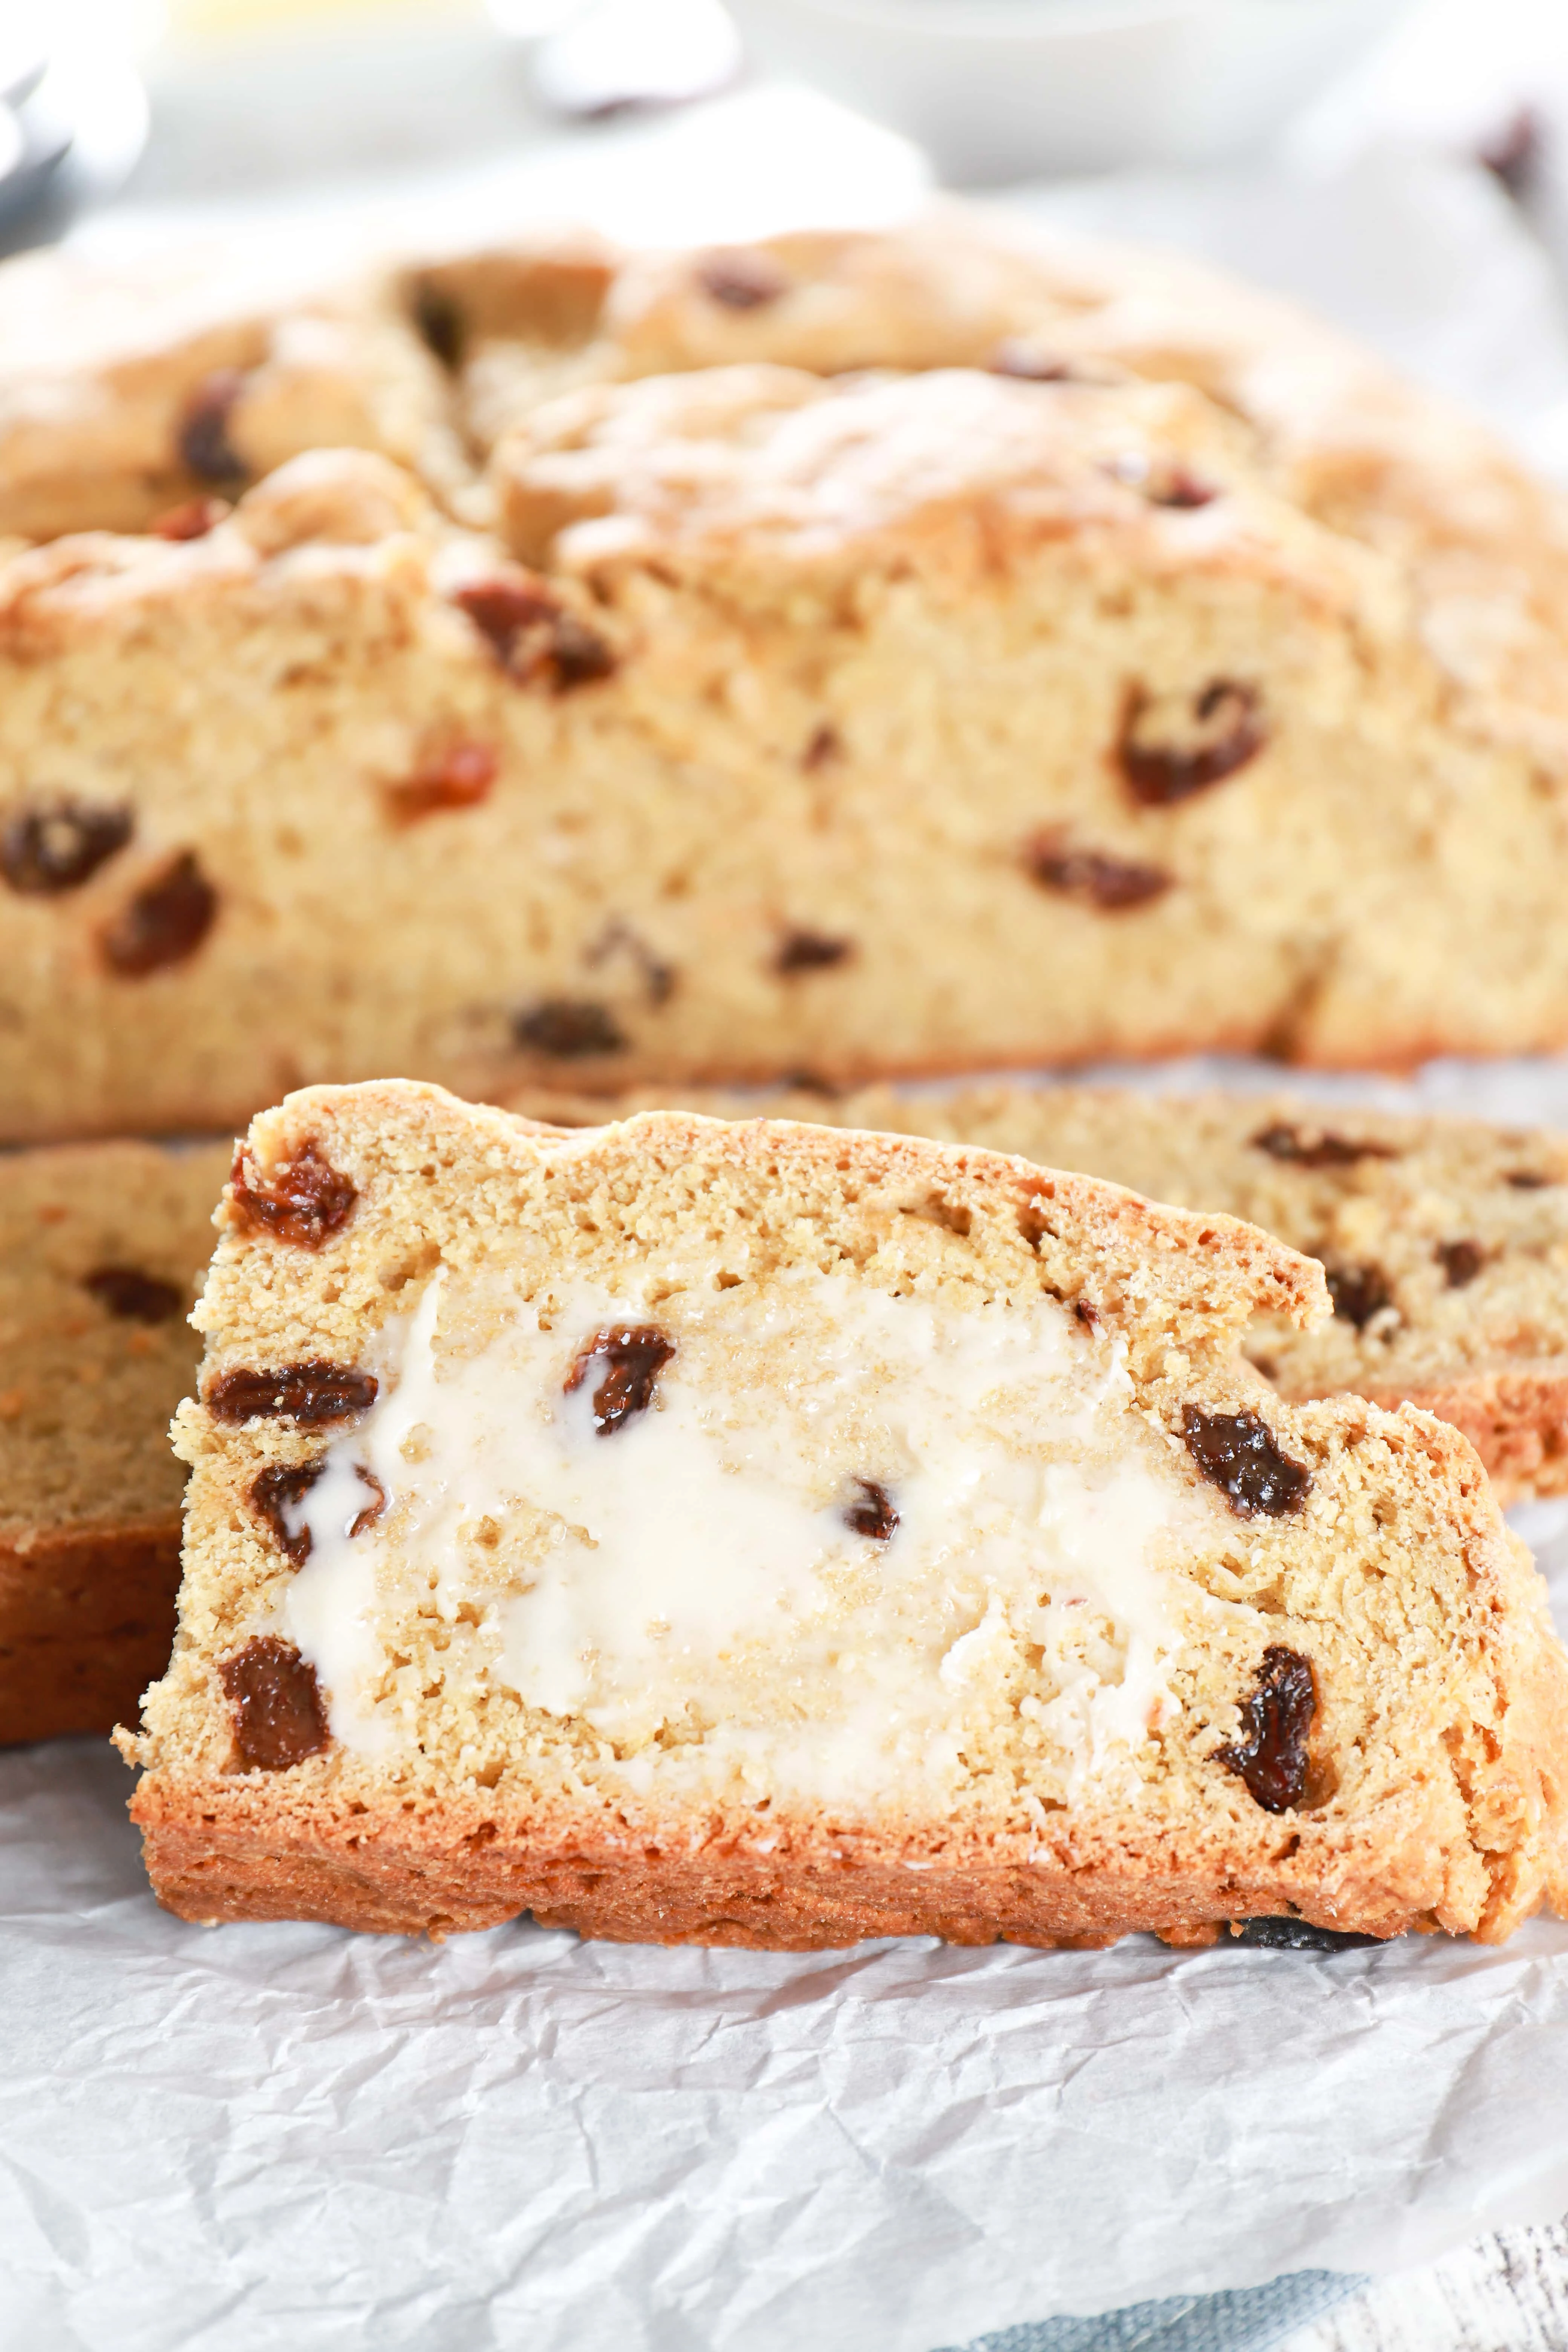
column 287, row 2136
column 243, row 2137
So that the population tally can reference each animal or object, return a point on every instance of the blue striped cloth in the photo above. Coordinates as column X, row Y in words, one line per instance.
column 1246, row 2320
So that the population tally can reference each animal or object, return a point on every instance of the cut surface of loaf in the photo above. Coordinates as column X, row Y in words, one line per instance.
column 1446, row 1240
column 775, row 1535
column 102, row 1249
column 857, row 726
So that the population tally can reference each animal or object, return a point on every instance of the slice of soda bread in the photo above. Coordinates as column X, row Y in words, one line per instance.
column 761, row 1533
column 1446, row 1240
column 102, row 1249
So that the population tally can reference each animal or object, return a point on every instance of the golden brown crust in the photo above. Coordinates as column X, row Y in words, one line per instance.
column 87, row 1621
column 369, row 1875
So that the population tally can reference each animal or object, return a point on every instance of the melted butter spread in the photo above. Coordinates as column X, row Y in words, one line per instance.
column 689, row 1586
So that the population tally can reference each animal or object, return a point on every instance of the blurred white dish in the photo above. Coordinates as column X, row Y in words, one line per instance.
column 1001, row 89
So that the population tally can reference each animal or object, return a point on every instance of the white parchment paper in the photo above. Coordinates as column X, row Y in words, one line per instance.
column 287, row 2136
column 290, row 2134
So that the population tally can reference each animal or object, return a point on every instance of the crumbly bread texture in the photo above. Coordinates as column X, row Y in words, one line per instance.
column 102, row 1249
column 1091, row 1632
column 1446, row 1240
column 854, row 726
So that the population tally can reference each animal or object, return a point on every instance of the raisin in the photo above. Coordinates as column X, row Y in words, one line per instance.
column 1358, row 1292
column 1514, row 157
column 203, row 443
column 308, row 1394
column 439, row 325
column 376, row 1504
column 823, row 747
column 1086, row 1313
column 1163, row 481
column 60, row 844
column 568, row 1027
column 874, row 1515
column 1528, row 1180
column 502, row 609
column 1226, row 732
column 1299, row 1936
column 533, row 636
column 1460, row 1260
column 278, row 1718
column 138, row 1298
column 458, row 778
column 164, row 923
column 576, row 654
column 617, row 938
column 1282, row 1141
column 741, row 280
column 272, row 1490
column 192, row 520
column 1110, row 884
column 810, row 951
column 1236, row 1451
column 1028, row 364
column 633, row 1355
column 305, row 1202
column 1272, row 1758
column 1174, row 486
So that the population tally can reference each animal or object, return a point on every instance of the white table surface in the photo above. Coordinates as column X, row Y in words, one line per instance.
column 1509, row 2294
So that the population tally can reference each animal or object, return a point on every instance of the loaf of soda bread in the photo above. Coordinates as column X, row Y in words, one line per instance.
column 1446, row 1240
column 763, row 1533
column 855, row 726
column 102, row 1248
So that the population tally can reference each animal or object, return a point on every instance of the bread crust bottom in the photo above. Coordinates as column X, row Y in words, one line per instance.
column 363, row 1875
column 87, row 1621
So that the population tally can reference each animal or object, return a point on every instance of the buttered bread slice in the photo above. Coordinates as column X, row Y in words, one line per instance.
column 763, row 1534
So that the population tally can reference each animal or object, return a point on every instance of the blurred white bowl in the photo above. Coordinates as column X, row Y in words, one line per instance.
column 1003, row 89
